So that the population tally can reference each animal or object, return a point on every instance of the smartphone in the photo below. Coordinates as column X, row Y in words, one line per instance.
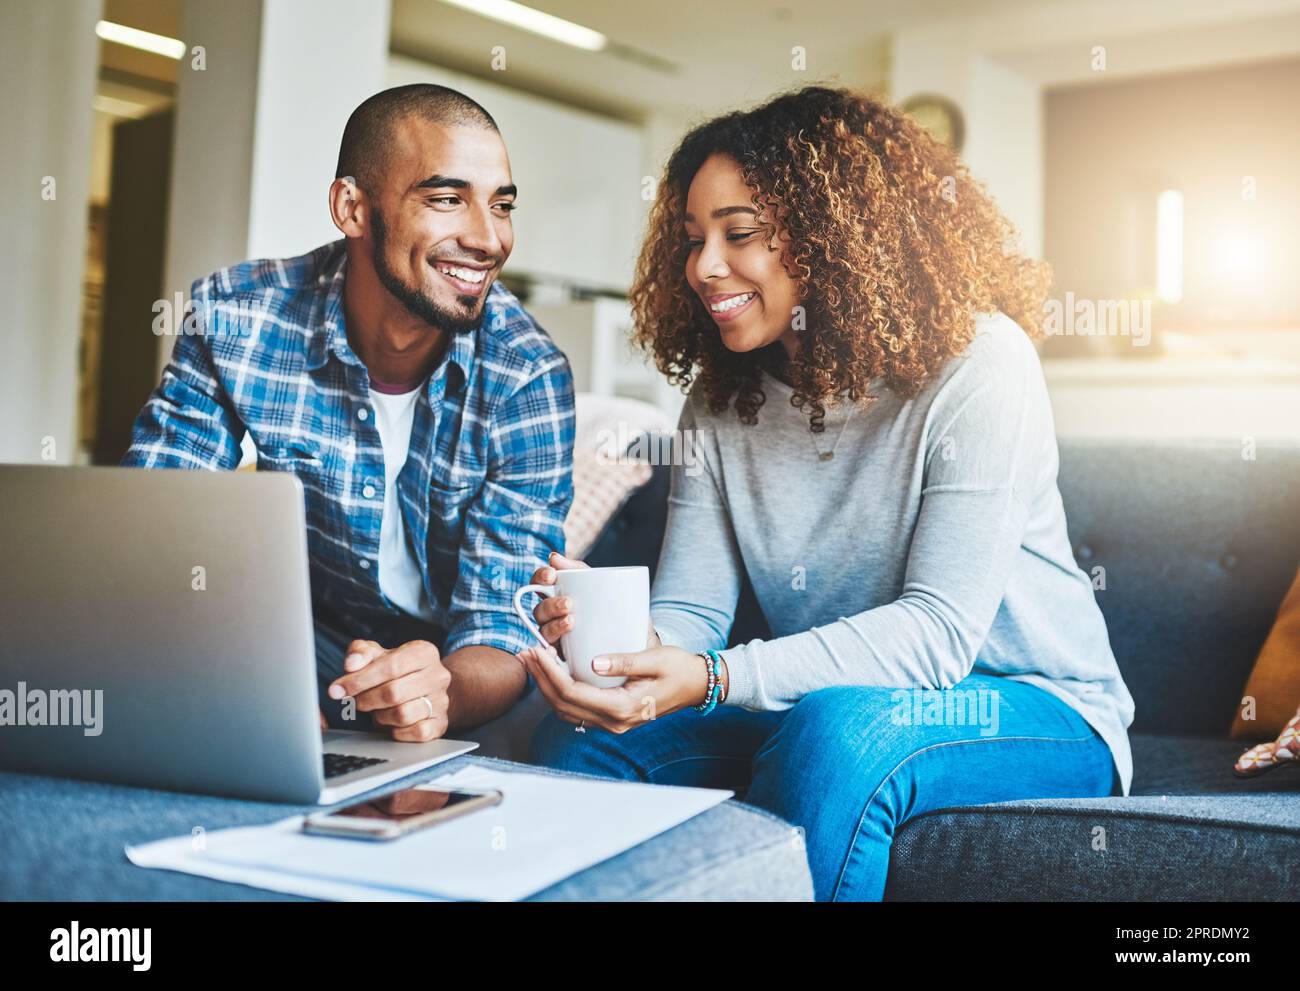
column 400, row 813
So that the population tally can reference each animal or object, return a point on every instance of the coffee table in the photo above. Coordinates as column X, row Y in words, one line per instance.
column 63, row 840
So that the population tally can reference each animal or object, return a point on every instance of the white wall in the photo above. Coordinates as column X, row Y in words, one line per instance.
column 1004, row 145
column 48, row 62
column 579, row 177
column 258, row 130
column 1002, row 108
column 319, row 59
column 207, row 223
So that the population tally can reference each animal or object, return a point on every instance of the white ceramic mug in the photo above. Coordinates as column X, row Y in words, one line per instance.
column 611, row 613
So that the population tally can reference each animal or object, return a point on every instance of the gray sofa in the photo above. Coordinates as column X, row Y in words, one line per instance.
column 1198, row 547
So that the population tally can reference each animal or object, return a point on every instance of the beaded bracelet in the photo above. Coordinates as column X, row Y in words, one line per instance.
column 713, row 695
column 711, row 672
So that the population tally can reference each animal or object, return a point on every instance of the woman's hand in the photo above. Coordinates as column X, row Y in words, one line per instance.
column 660, row 680
column 554, row 614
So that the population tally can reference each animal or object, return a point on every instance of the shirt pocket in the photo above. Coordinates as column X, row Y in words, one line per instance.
column 318, row 487
column 448, row 503
column 295, row 458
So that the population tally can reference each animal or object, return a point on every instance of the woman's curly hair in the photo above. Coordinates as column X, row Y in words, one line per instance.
column 894, row 246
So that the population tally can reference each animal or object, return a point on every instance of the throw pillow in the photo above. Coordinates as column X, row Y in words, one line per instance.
column 1274, row 682
column 600, row 487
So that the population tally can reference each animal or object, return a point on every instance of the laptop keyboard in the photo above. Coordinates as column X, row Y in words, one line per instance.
column 337, row 764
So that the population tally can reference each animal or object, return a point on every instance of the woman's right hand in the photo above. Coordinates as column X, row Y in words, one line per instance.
column 554, row 613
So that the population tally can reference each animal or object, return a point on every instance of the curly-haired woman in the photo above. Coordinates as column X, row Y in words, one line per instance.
column 878, row 457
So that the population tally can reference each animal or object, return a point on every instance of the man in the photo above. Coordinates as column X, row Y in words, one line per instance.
column 429, row 419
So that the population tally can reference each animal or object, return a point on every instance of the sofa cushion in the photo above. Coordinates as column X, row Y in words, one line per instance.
column 1190, row 830
column 1198, row 543
column 605, row 427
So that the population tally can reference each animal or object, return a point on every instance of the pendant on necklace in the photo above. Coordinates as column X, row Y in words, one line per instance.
column 825, row 455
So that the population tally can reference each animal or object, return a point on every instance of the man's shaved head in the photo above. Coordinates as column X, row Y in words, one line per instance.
column 429, row 226
column 370, row 131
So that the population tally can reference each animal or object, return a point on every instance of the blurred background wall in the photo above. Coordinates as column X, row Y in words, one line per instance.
column 1146, row 150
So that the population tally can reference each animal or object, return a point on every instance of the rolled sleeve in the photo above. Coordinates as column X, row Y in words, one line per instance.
column 518, row 517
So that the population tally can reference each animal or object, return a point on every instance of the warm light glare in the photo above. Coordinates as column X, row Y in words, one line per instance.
column 548, row 26
column 1236, row 256
column 1169, row 246
column 144, row 40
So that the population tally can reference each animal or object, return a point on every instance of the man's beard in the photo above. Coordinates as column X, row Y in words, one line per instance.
column 417, row 303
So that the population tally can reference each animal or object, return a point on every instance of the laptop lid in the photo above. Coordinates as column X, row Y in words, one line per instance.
column 158, row 630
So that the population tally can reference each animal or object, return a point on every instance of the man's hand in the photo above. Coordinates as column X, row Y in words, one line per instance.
column 394, row 684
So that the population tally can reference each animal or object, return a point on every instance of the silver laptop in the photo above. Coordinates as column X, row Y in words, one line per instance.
column 156, row 630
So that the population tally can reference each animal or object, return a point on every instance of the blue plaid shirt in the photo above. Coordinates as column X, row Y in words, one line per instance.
column 488, row 477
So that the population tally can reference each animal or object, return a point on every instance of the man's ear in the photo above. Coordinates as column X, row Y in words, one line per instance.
column 348, row 208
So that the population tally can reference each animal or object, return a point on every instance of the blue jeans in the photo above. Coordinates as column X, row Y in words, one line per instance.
column 850, row 765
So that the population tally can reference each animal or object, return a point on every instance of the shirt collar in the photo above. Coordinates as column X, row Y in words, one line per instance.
column 461, row 357
column 329, row 330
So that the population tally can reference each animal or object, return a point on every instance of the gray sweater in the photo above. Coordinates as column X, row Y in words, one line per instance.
column 932, row 544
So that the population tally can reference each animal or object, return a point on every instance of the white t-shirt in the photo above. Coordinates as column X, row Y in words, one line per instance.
column 399, row 570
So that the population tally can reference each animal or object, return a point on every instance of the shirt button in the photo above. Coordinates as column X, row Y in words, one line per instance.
column 368, row 492
column 362, row 413
column 365, row 565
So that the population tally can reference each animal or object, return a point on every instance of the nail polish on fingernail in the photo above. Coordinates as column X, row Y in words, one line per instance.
column 336, row 691
column 601, row 663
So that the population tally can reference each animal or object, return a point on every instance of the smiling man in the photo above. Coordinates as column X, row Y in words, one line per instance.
column 429, row 418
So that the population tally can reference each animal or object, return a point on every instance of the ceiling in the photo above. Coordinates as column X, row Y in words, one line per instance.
column 682, row 56
column 689, row 57
column 130, row 66
column 686, row 58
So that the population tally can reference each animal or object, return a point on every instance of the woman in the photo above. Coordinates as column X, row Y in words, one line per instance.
column 879, row 458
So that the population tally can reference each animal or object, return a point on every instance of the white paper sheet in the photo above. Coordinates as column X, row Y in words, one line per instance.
column 546, row 829
column 179, row 854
